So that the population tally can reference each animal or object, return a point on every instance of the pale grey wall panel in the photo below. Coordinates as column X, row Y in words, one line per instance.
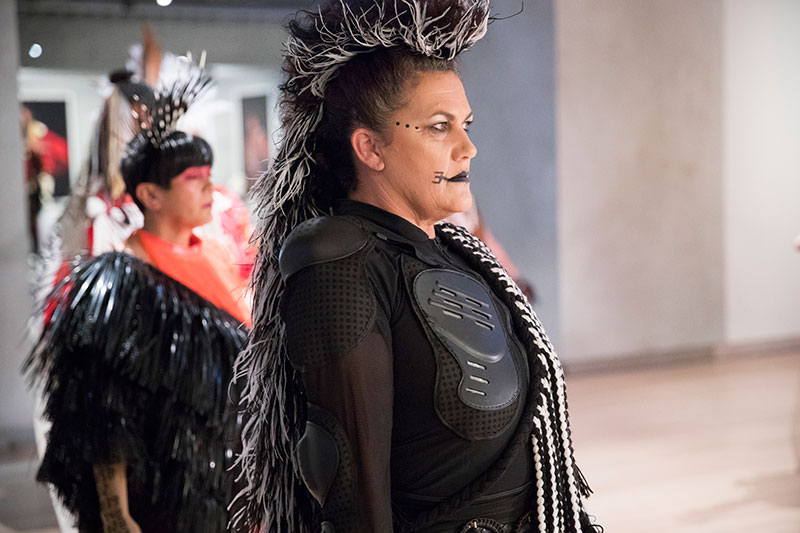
column 510, row 81
column 640, row 177
column 15, row 402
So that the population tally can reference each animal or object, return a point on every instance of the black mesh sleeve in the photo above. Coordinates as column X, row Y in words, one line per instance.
column 332, row 318
column 357, row 392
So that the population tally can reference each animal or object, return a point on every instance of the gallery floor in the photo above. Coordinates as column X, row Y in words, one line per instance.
column 707, row 447
column 711, row 447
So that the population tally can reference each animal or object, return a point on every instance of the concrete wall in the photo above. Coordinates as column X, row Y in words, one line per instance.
column 509, row 77
column 639, row 176
column 101, row 44
column 762, row 170
column 15, row 402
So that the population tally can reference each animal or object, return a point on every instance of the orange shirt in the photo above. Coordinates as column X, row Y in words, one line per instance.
column 205, row 267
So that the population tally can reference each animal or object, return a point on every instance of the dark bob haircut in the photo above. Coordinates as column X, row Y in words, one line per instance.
column 145, row 163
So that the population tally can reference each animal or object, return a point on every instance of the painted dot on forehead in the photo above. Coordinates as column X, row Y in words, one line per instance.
column 407, row 125
column 397, row 123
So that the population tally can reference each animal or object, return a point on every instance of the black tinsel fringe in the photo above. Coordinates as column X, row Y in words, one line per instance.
column 135, row 366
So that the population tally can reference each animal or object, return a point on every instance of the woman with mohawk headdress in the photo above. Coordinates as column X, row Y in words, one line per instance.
column 136, row 356
column 396, row 377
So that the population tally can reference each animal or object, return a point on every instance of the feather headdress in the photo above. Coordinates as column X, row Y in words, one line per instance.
column 159, row 152
column 157, row 113
column 274, row 498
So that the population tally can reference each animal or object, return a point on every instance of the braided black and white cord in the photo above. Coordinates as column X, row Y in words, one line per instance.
column 560, row 487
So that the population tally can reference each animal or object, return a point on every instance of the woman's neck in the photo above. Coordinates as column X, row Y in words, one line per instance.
column 165, row 231
column 399, row 208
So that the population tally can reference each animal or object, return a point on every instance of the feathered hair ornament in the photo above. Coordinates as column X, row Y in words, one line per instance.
column 159, row 152
column 274, row 498
column 158, row 114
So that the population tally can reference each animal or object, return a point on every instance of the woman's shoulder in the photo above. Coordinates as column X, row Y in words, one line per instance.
column 342, row 250
column 321, row 240
column 334, row 296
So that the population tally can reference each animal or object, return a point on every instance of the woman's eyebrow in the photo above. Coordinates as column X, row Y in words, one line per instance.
column 451, row 116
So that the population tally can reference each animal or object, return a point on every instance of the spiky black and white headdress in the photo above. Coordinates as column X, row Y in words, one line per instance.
column 159, row 116
column 274, row 497
column 159, row 152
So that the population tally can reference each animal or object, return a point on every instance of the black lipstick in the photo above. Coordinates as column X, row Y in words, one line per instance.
column 460, row 177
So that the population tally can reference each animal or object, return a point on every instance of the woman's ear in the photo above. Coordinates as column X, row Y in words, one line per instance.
column 150, row 195
column 367, row 147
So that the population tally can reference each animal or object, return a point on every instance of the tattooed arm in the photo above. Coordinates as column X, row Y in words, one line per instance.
column 112, row 491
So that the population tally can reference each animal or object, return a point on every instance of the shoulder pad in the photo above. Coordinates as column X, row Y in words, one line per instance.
column 319, row 240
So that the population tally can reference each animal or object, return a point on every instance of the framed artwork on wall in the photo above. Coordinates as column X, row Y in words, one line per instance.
column 44, row 125
column 255, row 137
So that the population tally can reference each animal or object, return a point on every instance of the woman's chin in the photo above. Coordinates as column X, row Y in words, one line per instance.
column 455, row 208
column 464, row 201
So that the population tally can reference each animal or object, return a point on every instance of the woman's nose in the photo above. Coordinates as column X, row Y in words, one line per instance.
column 473, row 150
column 465, row 148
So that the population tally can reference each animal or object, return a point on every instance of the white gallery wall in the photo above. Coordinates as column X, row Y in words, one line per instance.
column 639, row 144
column 761, row 170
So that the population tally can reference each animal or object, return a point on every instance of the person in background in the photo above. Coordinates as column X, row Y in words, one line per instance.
column 100, row 214
column 135, row 359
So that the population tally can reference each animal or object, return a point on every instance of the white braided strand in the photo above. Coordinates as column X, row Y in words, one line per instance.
column 554, row 401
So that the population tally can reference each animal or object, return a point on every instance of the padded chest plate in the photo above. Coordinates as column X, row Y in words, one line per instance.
column 462, row 314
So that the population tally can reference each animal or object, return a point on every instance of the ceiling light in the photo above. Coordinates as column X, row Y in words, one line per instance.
column 163, row 3
column 35, row 50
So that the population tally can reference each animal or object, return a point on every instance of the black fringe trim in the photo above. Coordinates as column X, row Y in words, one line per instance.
column 136, row 366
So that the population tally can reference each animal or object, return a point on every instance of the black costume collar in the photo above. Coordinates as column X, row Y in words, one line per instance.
column 386, row 220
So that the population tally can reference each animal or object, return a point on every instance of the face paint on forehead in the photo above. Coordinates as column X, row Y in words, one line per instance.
column 461, row 177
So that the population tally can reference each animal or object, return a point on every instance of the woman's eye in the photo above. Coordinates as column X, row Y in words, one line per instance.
column 440, row 126
column 467, row 125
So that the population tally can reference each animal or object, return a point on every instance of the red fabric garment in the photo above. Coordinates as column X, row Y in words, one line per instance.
column 54, row 152
column 205, row 267
column 52, row 300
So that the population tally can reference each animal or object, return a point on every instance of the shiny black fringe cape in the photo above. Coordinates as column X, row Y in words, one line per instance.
column 135, row 366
